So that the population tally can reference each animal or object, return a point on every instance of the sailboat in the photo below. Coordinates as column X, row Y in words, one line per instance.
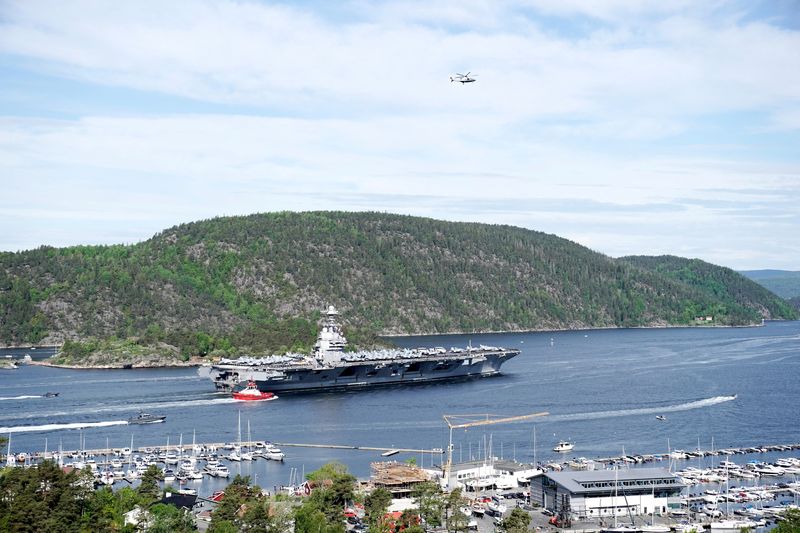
column 132, row 472
column 10, row 460
column 728, row 525
column 652, row 527
column 618, row 528
column 248, row 454
column 235, row 455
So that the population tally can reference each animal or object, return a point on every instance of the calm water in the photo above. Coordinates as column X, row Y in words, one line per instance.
column 603, row 389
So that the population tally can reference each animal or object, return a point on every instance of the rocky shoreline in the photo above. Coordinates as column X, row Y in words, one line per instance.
column 121, row 366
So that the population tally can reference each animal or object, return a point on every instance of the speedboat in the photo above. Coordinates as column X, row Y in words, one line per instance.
column 145, row 418
column 564, row 446
column 50, row 394
column 251, row 393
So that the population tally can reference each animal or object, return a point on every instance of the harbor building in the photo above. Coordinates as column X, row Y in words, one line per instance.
column 608, row 493
column 498, row 473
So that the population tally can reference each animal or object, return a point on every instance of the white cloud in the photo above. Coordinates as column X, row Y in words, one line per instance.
column 274, row 56
column 352, row 110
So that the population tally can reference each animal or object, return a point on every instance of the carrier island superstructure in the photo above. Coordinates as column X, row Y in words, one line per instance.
column 331, row 367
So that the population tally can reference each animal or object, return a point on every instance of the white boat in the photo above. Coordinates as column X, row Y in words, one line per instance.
column 769, row 470
column 273, row 453
column 505, row 482
column 689, row 528
column 731, row 526
column 564, row 446
column 107, row 477
column 621, row 529
column 192, row 474
column 496, row 507
column 481, row 483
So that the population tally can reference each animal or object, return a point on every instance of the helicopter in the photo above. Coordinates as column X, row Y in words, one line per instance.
column 462, row 78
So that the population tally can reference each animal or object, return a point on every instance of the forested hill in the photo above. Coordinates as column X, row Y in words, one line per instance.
column 258, row 282
column 737, row 294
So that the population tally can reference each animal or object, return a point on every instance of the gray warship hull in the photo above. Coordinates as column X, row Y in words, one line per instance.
column 355, row 374
column 330, row 366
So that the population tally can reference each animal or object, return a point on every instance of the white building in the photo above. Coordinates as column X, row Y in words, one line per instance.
column 601, row 493
column 499, row 473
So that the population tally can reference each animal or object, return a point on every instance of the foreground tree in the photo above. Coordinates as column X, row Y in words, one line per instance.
column 170, row 519
column 518, row 521
column 456, row 520
column 375, row 505
column 429, row 499
column 148, row 489
column 790, row 522
column 323, row 509
column 44, row 498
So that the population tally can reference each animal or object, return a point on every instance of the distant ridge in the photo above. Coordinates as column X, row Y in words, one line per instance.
column 784, row 283
column 256, row 284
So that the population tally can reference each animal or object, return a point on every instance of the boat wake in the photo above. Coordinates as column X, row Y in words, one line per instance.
column 26, row 397
column 121, row 408
column 54, row 427
column 688, row 406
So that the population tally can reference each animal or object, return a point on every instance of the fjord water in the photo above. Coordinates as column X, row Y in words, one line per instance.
column 603, row 389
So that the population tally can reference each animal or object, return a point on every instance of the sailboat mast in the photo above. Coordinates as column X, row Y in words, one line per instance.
column 239, row 430
column 616, row 494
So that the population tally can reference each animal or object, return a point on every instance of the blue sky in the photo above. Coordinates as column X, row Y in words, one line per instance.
column 629, row 127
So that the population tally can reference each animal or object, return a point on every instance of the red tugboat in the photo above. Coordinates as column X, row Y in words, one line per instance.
column 251, row 393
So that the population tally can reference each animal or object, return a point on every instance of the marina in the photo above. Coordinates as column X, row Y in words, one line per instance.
column 707, row 502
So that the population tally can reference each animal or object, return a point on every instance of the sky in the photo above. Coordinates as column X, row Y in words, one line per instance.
column 630, row 127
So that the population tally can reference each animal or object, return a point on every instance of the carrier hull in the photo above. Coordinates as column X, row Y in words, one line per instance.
column 330, row 366
column 269, row 378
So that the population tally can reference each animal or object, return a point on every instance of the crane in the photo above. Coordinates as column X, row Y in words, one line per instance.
column 469, row 421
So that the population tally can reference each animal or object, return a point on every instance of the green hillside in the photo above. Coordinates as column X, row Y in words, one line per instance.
column 257, row 283
column 784, row 283
column 737, row 295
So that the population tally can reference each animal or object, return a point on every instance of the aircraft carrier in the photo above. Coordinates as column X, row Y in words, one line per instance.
column 331, row 367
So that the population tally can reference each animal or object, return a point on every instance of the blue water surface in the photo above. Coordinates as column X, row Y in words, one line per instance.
column 602, row 388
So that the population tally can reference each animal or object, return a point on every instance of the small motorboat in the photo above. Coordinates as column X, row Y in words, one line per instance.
column 50, row 394
column 146, row 418
column 563, row 446
column 251, row 393
column 661, row 417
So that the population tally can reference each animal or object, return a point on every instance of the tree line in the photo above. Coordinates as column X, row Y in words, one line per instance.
column 48, row 498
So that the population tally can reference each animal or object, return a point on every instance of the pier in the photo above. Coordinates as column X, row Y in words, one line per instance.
column 683, row 455
column 433, row 451
column 213, row 446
